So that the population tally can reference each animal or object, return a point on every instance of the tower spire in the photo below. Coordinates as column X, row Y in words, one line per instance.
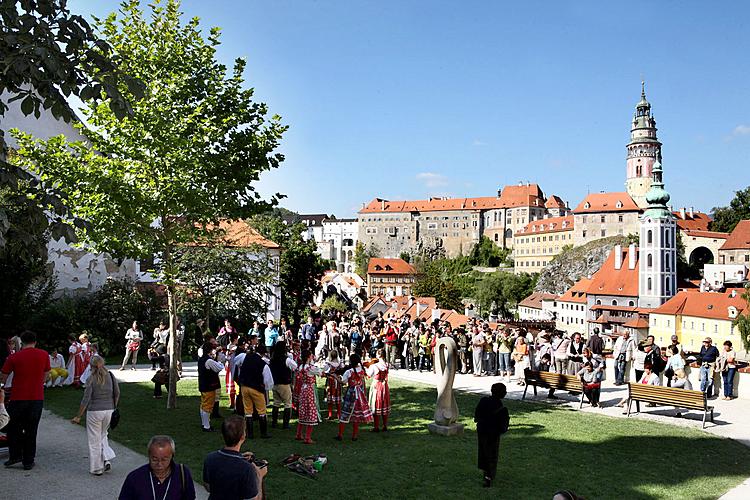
column 643, row 89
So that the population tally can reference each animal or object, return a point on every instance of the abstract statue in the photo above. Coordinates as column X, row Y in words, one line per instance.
column 446, row 413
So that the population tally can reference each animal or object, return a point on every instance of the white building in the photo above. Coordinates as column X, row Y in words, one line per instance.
column 537, row 307
column 341, row 236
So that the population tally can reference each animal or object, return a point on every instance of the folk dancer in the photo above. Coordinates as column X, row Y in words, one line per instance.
column 333, row 384
column 380, row 395
column 57, row 372
column 73, row 351
column 256, row 380
column 309, row 416
column 208, row 383
column 354, row 408
column 282, row 366
column 133, row 339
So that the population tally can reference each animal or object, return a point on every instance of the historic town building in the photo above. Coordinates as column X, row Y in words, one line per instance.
column 643, row 150
column 390, row 277
column 539, row 241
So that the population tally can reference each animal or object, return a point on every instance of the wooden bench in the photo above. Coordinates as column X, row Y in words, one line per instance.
column 669, row 396
column 552, row 380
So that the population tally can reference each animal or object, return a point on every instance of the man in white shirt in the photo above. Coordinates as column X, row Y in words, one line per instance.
column 57, row 372
column 623, row 352
column 477, row 346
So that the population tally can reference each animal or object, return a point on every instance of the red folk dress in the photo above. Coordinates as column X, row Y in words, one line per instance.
column 380, row 394
column 307, row 395
column 355, row 408
column 333, row 385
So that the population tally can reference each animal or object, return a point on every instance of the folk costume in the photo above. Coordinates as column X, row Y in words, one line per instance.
column 208, row 383
column 57, row 372
column 281, row 371
column 256, row 380
column 309, row 415
column 333, row 387
column 133, row 339
column 354, row 408
column 380, row 394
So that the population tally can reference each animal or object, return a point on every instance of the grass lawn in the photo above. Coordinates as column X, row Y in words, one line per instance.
column 546, row 449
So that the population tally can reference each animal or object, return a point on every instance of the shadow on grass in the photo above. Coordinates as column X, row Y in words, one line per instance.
column 547, row 448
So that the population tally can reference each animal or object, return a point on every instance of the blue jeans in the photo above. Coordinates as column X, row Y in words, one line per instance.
column 727, row 378
column 707, row 377
column 503, row 362
column 620, row 367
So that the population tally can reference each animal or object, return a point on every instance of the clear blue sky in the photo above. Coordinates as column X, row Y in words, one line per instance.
column 407, row 99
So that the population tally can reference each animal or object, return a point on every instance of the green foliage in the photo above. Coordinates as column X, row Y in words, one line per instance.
column 726, row 218
column 742, row 322
column 405, row 256
column 227, row 283
column 438, row 279
column 333, row 303
column 500, row 292
column 487, row 254
column 301, row 267
column 362, row 257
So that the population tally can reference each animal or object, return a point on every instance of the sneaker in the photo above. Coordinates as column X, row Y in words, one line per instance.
column 210, row 429
column 107, row 466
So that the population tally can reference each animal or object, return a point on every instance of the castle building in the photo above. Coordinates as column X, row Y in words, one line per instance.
column 538, row 242
column 643, row 150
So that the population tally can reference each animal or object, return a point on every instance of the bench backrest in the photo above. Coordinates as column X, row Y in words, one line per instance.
column 667, row 395
column 552, row 379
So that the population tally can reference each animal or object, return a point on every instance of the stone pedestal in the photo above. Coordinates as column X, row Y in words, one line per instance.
column 446, row 430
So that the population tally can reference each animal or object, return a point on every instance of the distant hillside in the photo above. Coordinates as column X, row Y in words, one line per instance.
column 575, row 263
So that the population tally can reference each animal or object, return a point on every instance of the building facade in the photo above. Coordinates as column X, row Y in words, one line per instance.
column 341, row 235
column 643, row 150
column 390, row 277
column 601, row 215
column 540, row 241
column 736, row 249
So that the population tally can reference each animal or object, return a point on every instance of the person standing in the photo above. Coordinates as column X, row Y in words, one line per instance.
column 161, row 478
column 99, row 401
column 208, row 384
column 391, row 343
column 256, row 380
column 727, row 365
column 380, row 394
column 133, row 339
column 707, row 357
column 30, row 368
column 477, row 346
column 596, row 343
column 272, row 335
column 282, row 366
column 355, row 408
column 575, row 354
column 623, row 352
column 307, row 406
column 229, row 474
column 492, row 420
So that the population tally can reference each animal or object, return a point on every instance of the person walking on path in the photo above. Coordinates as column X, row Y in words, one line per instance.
column 30, row 368
column 99, row 401
column 492, row 420
column 133, row 339
column 161, row 478
column 229, row 474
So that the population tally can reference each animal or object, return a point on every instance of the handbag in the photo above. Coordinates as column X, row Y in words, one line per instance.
column 115, row 418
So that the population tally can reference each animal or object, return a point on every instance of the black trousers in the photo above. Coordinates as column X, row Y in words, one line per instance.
column 24, row 422
column 488, row 448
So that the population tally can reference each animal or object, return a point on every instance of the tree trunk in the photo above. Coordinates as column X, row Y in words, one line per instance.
column 171, row 349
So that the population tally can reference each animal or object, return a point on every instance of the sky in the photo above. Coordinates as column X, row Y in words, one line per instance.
column 410, row 99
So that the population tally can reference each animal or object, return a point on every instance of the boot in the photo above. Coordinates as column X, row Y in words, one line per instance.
column 264, row 427
column 215, row 412
column 274, row 417
column 249, row 426
column 287, row 416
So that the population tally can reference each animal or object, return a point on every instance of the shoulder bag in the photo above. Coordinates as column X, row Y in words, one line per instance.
column 115, row 418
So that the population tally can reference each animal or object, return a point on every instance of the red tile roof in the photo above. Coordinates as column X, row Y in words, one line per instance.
column 554, row 201
column 551, row 225
column 636, row 323
column 699, row 221
column 621, row 282
column 240, row 234
column 389, row 266
column 526, row 195
column 534, row 300
column 706, row 234
column 738, row 239
column 577, row 293
column 606, row 202
column 703, row 305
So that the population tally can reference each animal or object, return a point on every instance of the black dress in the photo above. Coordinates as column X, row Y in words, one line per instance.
column 492, row 420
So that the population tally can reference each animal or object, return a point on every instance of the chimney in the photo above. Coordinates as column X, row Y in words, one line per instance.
column 682, row 213
column 382, row 205
column 435, row 314
column 692, row 212
column 618, row 256
column 631, row 256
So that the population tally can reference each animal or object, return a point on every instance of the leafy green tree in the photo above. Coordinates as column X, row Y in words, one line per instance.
column 742, row 322
column 187, row 156
column 301, row 267
column 485, row 253
column 505, row 290
column 726, row 218
column 228, row 282
column 405, row 256
column 432, row 283
column 333, row 303
column 362, row 257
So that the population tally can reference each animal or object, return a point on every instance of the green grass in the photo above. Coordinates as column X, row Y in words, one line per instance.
column 546, row 449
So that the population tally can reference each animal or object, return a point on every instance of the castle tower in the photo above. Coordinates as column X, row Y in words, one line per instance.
column 643, row 150
column 657, row 266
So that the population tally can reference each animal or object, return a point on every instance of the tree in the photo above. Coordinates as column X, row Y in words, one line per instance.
column 485, row 253
column 333, row 303
column 223, row 281
column 505, row 290
column 362, row 257
column 726, row 218
column 300, row 268
column 742, row 322
column 188, row 156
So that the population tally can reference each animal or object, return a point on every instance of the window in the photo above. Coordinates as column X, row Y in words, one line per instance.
column 604, row 233
column 583, row 234
column 650, row 260
column 649, row 236
column 650, row 285
column 619, row 218
column 371, row 230
column 432, row 225
column 602, row 219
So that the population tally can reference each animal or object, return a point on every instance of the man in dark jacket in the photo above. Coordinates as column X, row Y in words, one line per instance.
column 492, row 421
column 596, row 343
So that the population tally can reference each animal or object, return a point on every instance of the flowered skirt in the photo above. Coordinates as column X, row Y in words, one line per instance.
column 380, row 398
column 355, row 408
column 333, row 390
column 308, row 404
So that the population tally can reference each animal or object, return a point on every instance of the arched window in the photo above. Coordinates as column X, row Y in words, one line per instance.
column 650, row 260
column 598, row 302
column 667, row 287
column 649, row 236
column 496, row 236
column 631, row 303
column 666, row 263
column 614, row 302
column 649, row 287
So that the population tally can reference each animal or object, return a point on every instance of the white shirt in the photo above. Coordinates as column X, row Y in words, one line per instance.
column 133, row 334
column 214, row 365
column 267, row 378
column 290, row 363
column 56, row 361
column 348, row 373
column 373, row 370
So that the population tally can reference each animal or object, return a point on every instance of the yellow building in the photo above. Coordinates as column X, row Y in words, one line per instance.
column 539, row 241
column 694, row 315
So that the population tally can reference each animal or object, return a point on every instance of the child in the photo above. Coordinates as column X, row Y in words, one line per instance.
column 380, row 396
column 308, row 397
column 355, row 408
column 333, row 384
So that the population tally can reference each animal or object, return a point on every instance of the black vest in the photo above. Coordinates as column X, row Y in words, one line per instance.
column 251, row 373
column 208, row 380
column 282, row 375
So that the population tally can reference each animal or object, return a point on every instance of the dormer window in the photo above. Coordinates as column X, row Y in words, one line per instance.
column 587, row 205
column 388, row 267
column 732, row 312
column 619, row 204
column 378, row 268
